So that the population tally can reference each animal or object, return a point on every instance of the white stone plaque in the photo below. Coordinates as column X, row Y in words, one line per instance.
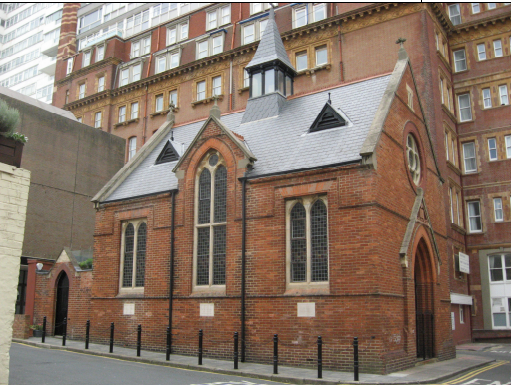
column 129, row 309
column 207, row 309
column 453, row 321
column 306, row 309
column 464, row 263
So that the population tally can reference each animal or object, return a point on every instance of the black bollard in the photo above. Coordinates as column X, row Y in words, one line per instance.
column 167, row 353
column 112, row 337
column 235, row 350
column 44, row 330
column 320, row 357
column 275, row 354
column 355, row 358
column 64, row 331
column 139, row 339
column 87, row 334
column 200, row 347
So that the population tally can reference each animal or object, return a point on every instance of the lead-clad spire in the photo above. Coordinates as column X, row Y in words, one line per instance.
column 270, row 47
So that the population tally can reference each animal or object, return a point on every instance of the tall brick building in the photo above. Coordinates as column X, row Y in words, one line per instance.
column 432, row 233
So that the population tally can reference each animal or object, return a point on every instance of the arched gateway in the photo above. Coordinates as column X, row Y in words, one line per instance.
column 62, row 302
column 424, row 279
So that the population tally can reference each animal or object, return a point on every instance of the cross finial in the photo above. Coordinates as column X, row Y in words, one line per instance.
column 329, row 101
column 172, row 135
column 401, row 40
column 172, row 106
column 215, row 98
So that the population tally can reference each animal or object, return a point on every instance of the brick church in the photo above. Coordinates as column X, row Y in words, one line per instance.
column 308, row 182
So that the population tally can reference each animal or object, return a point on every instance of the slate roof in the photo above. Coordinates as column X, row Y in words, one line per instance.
column 281, row 143
column 271, row 46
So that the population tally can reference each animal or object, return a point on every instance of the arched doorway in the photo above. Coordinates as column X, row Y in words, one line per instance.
column 62, row 300
column 424, row 301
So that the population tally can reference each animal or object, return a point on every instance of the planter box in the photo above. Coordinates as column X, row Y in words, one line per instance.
column 37, row 333
column 10, row 151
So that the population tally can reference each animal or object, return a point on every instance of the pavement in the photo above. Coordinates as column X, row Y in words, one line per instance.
column 429, row 373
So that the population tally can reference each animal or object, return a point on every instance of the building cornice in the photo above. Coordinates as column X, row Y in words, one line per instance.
column 475, row 24
column 90, row 68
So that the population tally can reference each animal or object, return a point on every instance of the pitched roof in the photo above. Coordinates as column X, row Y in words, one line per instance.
column 281, row 143
column 270, row 47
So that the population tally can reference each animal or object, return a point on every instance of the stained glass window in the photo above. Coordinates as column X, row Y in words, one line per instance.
column 298, row 244
column 129, row 240
column 135, row 240
column 141, row 248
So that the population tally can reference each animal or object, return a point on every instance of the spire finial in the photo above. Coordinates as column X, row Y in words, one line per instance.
column 272, row 12
column 401, row 40
column 329, row 100
column 215, row 110
column 172, row 135
column 170, row 114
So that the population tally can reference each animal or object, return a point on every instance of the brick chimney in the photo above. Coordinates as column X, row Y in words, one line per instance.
column 67, row 42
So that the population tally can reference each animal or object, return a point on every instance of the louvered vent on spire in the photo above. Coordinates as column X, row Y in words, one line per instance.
column 168, row 154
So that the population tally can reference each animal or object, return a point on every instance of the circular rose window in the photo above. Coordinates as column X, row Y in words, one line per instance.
column 414, row 162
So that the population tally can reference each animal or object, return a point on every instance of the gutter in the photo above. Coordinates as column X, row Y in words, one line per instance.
column 243, row 262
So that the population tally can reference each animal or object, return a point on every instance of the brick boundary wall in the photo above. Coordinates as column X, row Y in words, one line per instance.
column 21, row 326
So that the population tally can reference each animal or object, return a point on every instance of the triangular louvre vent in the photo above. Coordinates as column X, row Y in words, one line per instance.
column 327, row 118
column 168, row 154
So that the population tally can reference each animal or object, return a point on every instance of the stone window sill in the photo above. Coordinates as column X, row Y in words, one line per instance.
column 310, row 71
column 241, row 90
column 125, row 123
column 306, row 289
column 495, row 107
column 458, row 228
column 448, row 112
column 207, row 100
column 164, row 112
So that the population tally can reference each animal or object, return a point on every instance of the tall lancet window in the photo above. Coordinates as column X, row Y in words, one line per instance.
column 210, row 224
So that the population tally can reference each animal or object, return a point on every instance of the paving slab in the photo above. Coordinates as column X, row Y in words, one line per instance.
column 475, row 346
column 422, row 374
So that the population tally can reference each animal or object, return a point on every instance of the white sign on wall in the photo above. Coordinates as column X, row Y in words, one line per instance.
column 453, row 321
column 464, row 263
column 207, row 309
column 129, row 309
column 306, row 309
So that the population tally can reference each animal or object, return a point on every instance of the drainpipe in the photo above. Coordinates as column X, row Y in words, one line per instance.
column 243, row 261
column 171, row 272
column 341, row 67
column 147, row 87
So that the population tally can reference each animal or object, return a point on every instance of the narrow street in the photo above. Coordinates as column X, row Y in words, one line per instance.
column 31, row 365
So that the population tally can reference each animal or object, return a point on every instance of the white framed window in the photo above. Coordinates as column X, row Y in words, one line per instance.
column 69, row 66
column 217, row 86
column 464, row 107
column 122, row 114
column 86, row 58
column 100, row 52
column 246, row 78
column 210, row 46
column 101, row 84
column 474, row 217
column 442, row 97
column 321, row 55
column 458, row 208
column 504, row 99
column 97, row 120
column 476, row 8
column 132, row 149
column 210, row 224
column 158, row 103
column 319, row 12
column 299, row 17
column 460, row 60
column 248, row 33
column 492, row 148
column 500, row 267
column 201, row 90
column 453, row 149
column 487, row 98
column 146, row 45
column 177, row 33
column 469, row 157
column 497, row 209
column 501, row 307
column 492, row 5
column 253, row 31
column 137, row 23
column 134, row 110
column 508, row 146
column 462, row 315
column 163, row 12
column 81, row 92
column 451, row 206
column 218, row 17
column 447, row 146
column 497, row 48
column 258, row 7
column 168, row 61
column 307, row 242
column 481, row 51
column 173, row 97
column 454, row 14
column 301, row 61
column 90, row 21
column 141, row 47
column 131, row 74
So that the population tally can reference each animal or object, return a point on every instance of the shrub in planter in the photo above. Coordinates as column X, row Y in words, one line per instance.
column 9, row 119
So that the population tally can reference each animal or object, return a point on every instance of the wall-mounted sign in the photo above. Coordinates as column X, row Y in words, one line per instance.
column 207, row 309
column 464, row 263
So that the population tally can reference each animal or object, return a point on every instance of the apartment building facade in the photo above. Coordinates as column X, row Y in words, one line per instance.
column 124, row 70
column 30, row 34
